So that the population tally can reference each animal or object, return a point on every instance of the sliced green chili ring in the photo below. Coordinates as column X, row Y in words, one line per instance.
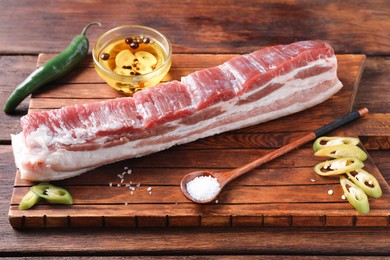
column 338, row 166
column 29, row 200
column 366, row 181
column 342, row 150
column 333, row 140
column 356, row 196
column 52, row 193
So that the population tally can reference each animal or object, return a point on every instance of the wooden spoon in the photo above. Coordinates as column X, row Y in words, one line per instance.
column 225, row 177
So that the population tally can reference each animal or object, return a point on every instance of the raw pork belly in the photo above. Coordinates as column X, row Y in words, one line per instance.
column 246, row 90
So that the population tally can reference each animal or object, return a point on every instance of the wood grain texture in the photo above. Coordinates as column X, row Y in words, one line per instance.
column 16, row 68
column 222, row 26
column 260, row 240
column 284, row 192
column 359, row 27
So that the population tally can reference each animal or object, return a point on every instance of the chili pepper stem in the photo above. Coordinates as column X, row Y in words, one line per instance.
column 84, row 32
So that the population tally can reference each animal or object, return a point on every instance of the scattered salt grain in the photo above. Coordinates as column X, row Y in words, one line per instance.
column 125, row 167
column 343, row 197
column 110, row 184
column 126, row 203
column 128, row 171
column 203, row 188
column 138, row 184
column 216, row 201
column 118, row 185
column 312, row 180
column 149, row 189
column 330, row 192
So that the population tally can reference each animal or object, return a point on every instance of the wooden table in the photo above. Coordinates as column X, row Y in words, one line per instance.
column 211, row 27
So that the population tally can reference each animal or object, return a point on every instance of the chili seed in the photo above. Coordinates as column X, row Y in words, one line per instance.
column 128, row 40
column 134, row 45
column 104, row 56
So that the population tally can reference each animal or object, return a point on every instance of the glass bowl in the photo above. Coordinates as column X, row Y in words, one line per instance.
column 122, row 57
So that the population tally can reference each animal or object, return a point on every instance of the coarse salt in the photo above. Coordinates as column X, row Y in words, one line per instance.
column 330, row 192
column 203, row 188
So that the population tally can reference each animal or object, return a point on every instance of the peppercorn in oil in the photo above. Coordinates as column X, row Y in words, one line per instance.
column 132, row 56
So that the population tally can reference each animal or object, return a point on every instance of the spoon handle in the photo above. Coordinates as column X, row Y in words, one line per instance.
column 235, row 173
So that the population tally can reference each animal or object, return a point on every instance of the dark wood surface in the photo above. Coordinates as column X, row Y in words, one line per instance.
column 28, row 28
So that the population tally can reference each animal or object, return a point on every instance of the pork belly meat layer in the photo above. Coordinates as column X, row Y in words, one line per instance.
column 249, row 89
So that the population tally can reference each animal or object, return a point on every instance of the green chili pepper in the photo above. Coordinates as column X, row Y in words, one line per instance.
column 52, row 193
column 333, row 140
column 356, row 196
column 29, row 200
column 342, row 150
column 55, row 68
column 338, row 166
column 366, row 181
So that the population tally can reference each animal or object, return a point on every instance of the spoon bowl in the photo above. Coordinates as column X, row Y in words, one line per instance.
column 191, row 176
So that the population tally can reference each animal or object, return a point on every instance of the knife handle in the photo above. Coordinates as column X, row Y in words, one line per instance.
column 341, row 121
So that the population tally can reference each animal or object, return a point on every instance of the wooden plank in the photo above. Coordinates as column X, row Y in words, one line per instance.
column 277, row 201
column 375, row 80
column 173, row 215
column 204, row 26
column 285, row 192
column 106, row 175
column 16, row 68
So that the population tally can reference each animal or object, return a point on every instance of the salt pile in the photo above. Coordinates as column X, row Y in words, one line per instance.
column 203, row 188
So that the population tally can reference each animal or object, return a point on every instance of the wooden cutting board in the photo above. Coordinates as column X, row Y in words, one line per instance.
column 284, row 192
